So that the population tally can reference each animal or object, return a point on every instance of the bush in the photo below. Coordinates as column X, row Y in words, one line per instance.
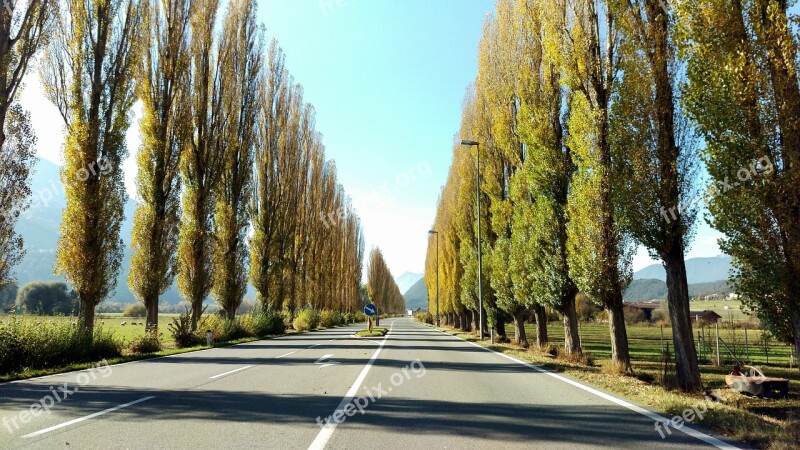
column 181, row 330
column 424, row 317
column 135, row 310
column 633, row 315
column 233, row 329
column 146, row 343
column 307, row 319
column 329, row 319
column 47, row 298
column 263, row 323
column 38, row 344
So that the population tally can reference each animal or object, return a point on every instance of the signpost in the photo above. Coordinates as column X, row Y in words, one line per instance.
column 370, row 310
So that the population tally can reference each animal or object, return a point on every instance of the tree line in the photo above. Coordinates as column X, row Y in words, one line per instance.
column 595, row 120
column 381, row 286
column 232, row 175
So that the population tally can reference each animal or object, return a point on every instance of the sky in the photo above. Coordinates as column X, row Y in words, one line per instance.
column 387, row 80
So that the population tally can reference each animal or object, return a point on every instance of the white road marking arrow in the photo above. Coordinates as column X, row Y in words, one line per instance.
column 324, row 363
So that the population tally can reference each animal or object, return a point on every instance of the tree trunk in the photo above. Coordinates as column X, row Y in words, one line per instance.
column 795, row 318
column 466, row 324
column 230, row 311
column 620, row 354
column 687, row 371
column 86, row 317
column 541, row 325
column 519, row 328
column 572, row 342
column 500, row 327
column 151, row 303
column 456, row 321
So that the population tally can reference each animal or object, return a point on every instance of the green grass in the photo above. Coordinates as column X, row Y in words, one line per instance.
column 734, row 310
column 113, row 323
column 376, row 332
column 645, row 342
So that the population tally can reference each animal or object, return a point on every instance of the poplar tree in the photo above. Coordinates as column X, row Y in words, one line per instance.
column 88, row 75
column 241, row 58
column 202, row 161
column 24, row 27
column 164, row 91
column 744, row 97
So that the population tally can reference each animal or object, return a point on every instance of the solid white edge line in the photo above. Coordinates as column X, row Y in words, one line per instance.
column 90, row 416
column 327, row 431
column 649, row 414
column 229, row 372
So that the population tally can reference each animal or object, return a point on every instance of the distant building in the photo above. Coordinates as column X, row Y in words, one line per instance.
column 706, row 316
column 733, row 296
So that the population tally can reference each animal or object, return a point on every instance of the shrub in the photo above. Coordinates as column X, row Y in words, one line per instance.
column 38, row 344
column 263, row 323
column 329, row 319
column 307, row 319
column 135, row 310
column 146, row 343
column 46, row 298
column 233, row 329
column 633, row 315
column 424, row 317
column 181, row 330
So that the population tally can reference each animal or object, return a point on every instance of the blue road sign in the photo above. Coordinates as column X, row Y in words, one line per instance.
column 370, row 310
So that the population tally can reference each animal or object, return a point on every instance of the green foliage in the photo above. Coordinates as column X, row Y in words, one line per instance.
column 35, row 344
column 135, row 310
column 162, row 90
column 96, row 111
column 307, row 319
column 46, row 299
column 263, row 323
column 182, row 332
column 8, row 297
column 146, row 343
column 329, row 319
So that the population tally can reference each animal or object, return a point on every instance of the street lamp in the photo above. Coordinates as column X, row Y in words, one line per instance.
column 478, row 219
column 437, row 275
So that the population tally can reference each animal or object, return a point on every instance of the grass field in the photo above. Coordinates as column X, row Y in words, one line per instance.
column 114, row 323
column 734, row 308
column 645, row 343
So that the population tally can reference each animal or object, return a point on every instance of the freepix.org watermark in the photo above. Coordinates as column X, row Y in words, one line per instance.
column 371, row 395
column 56, row 395
column 759, row 167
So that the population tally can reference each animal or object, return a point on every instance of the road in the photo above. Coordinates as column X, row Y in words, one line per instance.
column 417, row 388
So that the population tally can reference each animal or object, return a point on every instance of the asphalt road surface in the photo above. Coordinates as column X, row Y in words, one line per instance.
column 415, row 388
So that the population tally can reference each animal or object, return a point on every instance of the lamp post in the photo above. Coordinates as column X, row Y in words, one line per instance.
column 478, row 219
column 437, row 275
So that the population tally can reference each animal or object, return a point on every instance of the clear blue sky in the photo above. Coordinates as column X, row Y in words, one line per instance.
column 387, row 79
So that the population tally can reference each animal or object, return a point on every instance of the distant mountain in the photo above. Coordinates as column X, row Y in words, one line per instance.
column 649, row 289
column 646, row 289
column 698, row 270
column 406, row 280
column 417, row 296
column 39, row 227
